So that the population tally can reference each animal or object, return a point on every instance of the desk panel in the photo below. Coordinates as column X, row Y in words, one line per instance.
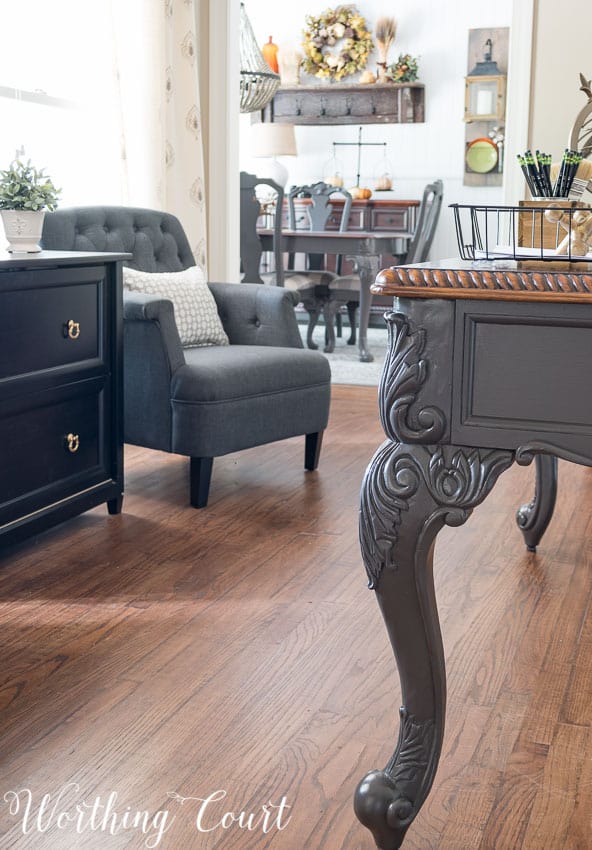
column 520, row 368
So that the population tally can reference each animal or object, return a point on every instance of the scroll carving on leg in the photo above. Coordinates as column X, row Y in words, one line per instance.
column 534, row 517
column 409, row 492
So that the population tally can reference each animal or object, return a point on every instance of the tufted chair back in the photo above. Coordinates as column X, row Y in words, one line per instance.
column 156, row 239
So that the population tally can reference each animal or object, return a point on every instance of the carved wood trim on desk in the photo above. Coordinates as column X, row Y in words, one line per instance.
column 457, row 279
column 378, row 103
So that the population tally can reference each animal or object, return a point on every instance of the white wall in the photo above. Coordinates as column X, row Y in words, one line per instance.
column 561, row 51
column 437, row 32
column 221, row 143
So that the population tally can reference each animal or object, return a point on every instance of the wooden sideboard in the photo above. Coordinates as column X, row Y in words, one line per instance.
column 61, row 434
column 398, row 216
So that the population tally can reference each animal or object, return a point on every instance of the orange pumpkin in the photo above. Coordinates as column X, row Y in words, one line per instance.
column 360, row 194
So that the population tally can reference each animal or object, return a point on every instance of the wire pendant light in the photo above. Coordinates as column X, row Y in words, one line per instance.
column 258, row 83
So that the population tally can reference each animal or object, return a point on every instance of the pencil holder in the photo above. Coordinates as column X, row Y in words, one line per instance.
column 550, row 228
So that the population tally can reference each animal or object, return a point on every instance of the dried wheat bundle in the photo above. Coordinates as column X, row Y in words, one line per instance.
column 386, row 29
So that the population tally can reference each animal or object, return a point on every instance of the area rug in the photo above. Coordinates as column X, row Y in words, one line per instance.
column 344, row 361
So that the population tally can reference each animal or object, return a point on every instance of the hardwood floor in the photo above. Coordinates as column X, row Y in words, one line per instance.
column 237, row 648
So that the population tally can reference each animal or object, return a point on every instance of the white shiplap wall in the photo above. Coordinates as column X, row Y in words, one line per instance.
column 437, row 32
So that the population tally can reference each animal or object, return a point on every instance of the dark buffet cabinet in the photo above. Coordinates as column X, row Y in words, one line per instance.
column 61, row 423
column 378, row 103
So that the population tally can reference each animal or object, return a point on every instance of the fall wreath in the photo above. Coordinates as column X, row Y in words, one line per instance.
column 342, row 28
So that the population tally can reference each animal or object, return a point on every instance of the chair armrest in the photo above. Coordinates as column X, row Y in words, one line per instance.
column 152, row 353
column 255, row 314
column 139, row 307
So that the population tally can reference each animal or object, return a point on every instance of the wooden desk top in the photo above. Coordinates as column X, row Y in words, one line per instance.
column 527, row 280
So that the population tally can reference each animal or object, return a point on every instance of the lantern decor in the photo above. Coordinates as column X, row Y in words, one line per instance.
column 258, row 83
column 485, row 90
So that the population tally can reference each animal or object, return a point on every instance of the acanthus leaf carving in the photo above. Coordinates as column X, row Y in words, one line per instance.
column 388, row 800
column 455, row 479
column 388, row 485
column 404, row 374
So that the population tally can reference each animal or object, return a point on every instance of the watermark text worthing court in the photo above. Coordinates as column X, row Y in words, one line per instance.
column 65, row 810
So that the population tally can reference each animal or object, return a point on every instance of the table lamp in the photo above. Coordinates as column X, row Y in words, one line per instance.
column 270, row 140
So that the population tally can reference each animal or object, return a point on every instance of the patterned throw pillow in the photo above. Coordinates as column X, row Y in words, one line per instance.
column 196, row 315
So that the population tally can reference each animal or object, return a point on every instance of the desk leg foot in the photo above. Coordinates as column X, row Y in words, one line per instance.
column 409, row 493
column 534, row 517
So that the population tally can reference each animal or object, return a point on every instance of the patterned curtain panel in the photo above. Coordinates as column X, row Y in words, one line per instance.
column 183, row 187
column 157, row 72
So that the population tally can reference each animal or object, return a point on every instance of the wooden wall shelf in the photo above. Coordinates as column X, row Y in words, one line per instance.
column 378, row 103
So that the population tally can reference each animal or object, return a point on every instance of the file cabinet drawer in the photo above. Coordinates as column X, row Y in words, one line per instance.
column 59, row 443
column 51, row 326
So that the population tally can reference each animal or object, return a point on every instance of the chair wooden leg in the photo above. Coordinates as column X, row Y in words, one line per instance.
column 313, row 317
column 312, row 450
column 338, row 324
column 329, row 308
column 200, row 474
column 352, row 306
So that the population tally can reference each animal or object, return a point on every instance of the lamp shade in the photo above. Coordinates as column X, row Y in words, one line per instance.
column 272, row 139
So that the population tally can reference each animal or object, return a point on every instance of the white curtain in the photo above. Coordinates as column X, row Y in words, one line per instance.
column 156, row 70
column 114, row 117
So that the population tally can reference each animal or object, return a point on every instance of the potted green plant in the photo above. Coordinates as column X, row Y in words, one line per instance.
column 25, row 194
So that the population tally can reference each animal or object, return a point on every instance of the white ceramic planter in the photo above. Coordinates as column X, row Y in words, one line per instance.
column 23, row 229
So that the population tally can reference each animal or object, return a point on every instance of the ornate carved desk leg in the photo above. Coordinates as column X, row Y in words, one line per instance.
column 409, row 493
column 534, row 517
column 413, row 486
column 367, row 267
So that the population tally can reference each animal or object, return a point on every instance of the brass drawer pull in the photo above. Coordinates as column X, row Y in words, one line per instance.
column 72, row 329
column 72, row 443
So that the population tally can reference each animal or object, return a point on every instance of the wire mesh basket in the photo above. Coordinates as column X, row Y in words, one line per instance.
column 541, row 230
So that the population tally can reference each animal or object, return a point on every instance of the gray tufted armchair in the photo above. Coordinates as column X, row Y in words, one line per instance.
column 209, row 401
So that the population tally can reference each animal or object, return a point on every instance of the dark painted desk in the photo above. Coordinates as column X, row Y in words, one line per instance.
column 486, row 367
column 366, row 247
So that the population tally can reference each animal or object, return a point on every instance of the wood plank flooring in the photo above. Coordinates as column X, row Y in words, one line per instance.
column 238, row 649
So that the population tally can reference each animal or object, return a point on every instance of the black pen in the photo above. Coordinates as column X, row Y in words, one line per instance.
column 531, row 187
column 558, row 188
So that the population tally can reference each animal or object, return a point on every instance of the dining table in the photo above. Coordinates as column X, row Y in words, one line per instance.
column 364, row 247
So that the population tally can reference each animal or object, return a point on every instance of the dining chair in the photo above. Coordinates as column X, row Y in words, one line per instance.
column 345, row 289
column 312, row 284
column 250, row 242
